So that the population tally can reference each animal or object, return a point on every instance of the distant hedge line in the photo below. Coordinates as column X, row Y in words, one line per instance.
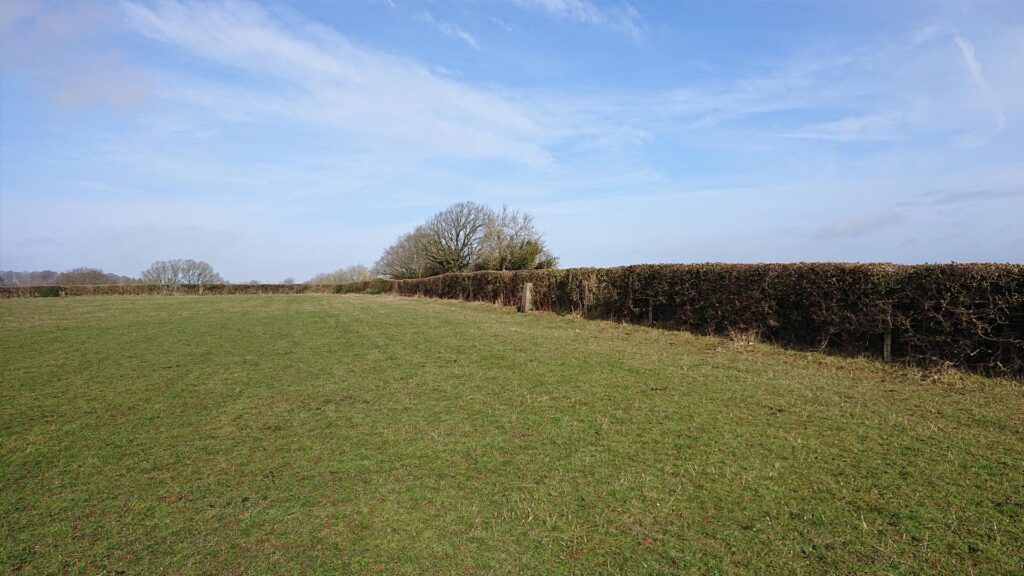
column 968, row 315
column 153, row 289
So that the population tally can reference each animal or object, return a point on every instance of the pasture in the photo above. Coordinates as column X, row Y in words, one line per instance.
column 323, row 434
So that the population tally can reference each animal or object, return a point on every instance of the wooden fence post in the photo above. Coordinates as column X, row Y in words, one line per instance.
column 527, row 295
column 887, row 347
column 586, row 298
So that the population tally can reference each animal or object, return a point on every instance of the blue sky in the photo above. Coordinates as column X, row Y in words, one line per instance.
column 286, row 139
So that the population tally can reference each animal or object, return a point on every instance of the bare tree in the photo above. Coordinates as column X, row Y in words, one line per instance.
column 198, row 272
column 288, row 281
column 162, row 272
column 511, row 242
column 467, row 236
column 174, row 272
column 73, row 277
column 33, row 278
column 455, row 235
column 407, row 257
column 89, row 276
column 354, row 273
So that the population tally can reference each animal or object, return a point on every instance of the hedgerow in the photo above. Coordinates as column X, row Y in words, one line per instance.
column 375, row 286
column 155, row 289
column 968, row 315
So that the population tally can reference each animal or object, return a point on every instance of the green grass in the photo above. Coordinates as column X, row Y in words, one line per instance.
column 360, row 434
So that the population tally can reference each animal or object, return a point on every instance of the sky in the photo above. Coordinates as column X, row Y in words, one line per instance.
column 285, row 139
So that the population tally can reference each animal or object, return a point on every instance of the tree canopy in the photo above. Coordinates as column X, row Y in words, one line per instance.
column 175, row 272
column 465, row 237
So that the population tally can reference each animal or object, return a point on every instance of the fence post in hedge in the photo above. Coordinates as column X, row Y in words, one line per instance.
column 650, row 310
column 887, row 346
column 524, row 307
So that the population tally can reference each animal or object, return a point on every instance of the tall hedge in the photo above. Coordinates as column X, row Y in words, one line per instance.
column 969, row 315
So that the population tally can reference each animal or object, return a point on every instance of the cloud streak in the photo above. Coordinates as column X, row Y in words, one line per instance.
column 313, row 74
column 451, row 30
column 859, row 225
column 978, row 76
column 973, row 196
column 880, row 126
column 624, row 18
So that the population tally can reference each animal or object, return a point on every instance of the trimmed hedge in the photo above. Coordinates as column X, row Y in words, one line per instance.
column 968, row 315
column 153, row 289
column 375, row 286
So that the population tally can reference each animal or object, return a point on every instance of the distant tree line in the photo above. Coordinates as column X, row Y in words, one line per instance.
column 466, row 237
column 355, row 273
column 163, row 272
column 461, row 238
column 73, row 277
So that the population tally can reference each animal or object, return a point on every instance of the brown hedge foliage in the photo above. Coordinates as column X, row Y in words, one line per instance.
column 968, row 315
column 375, row 286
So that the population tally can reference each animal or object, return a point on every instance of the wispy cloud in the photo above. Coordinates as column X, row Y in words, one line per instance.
column 978, row 76
column 972, row 196
column 313, row 74
column 624, row 17
column 450, row 30
column 879, row 126
column 259, row 130
column 860, row 225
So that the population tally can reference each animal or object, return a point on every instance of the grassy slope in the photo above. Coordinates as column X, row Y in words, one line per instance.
column 305, row 434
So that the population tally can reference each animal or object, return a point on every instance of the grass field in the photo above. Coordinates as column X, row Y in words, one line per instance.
column 358, row 434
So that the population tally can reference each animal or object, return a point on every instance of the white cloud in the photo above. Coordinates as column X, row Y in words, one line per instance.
column 879, row 126
column 313, row 75
column 978, row 76
column 318, row 76
column 305, row 128
column 451, row 30
column 624, row 18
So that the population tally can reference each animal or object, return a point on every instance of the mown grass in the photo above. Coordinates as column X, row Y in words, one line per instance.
column 359, row 434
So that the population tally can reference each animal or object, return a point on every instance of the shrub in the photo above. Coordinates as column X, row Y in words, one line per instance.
column 48, row 291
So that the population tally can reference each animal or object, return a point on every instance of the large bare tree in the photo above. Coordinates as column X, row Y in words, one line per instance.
column 455, row 236
column 511, row 242
column 407, row 257
column 175, row 272
column 467, row 236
